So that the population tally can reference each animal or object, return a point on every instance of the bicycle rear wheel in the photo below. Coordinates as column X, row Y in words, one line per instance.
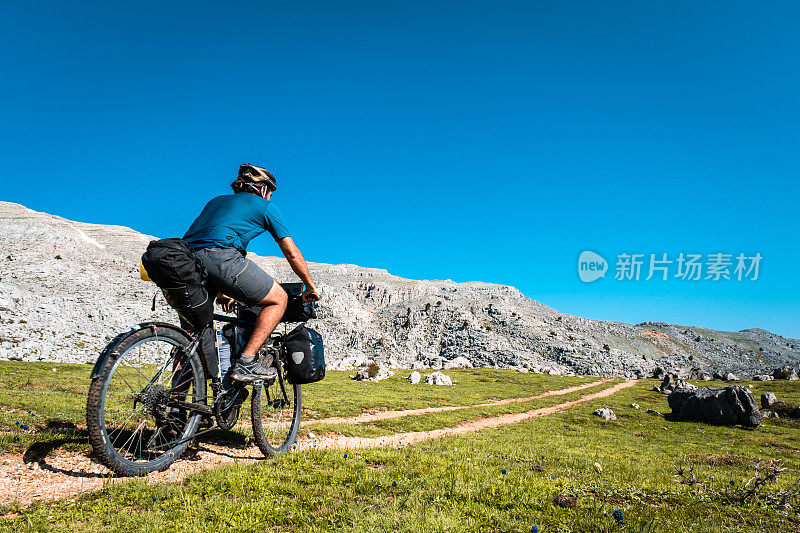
column 136, row 414
column 275, row 413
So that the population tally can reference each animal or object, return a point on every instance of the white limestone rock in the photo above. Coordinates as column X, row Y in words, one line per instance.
column 437, row 378
column 605, row 413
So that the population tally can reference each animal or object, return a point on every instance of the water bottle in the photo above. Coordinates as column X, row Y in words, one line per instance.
column 240, row 338
column 224, row 352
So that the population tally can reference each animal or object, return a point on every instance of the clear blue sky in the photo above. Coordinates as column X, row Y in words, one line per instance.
column 487, row 141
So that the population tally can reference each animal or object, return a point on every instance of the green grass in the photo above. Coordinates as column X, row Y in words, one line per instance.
column 338, row 395
column 431, row 421
column 53, row 403
column 456, row 483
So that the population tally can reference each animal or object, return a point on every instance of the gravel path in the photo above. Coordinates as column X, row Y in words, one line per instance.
column 65, row 475
column 404, row 439
column 385, row 415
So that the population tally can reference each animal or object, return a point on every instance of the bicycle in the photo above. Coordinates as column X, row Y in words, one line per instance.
column 149, row 392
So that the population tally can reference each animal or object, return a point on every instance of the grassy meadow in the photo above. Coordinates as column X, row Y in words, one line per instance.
column 661, row 475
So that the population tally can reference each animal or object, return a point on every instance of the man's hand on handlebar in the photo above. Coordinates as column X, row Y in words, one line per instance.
column 228, row 304
column 310, row 294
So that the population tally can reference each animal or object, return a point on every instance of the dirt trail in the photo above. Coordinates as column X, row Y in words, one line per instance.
column 58, row 474
column 385, row 415
column 403, row 439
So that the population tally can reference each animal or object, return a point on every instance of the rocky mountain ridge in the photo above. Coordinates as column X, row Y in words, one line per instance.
column 67, row 287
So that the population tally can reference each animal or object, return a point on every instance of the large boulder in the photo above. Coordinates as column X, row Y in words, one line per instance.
column 726, row 406
column 414, row 377
column 437, row 378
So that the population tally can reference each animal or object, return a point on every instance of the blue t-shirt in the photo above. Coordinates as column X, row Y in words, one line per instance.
column 232, row 220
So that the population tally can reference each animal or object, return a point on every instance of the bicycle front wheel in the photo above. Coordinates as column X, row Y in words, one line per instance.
column 138, row 414
column 275, row 414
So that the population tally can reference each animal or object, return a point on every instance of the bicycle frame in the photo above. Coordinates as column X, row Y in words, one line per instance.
column 235, row 320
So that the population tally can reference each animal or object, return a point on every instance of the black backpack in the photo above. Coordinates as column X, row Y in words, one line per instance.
column 303, row 355
column 181, row 276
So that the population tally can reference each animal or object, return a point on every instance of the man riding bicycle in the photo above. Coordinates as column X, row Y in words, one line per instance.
column 219, row 237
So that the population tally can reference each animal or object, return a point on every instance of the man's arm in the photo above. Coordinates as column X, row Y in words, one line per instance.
column 298, row 264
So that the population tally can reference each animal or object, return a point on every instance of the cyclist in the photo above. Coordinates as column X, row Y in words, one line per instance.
column 219, row 237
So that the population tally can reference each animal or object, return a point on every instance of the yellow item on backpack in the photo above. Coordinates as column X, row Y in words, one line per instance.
column 143, row 272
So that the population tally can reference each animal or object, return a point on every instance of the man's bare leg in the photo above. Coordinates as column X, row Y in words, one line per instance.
column 274, row 306
column 248, row 367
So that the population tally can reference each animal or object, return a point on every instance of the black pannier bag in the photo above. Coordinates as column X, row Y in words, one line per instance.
column 304, row 355
column 181, row 276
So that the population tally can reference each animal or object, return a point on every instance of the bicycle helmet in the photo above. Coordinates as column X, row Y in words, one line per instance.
column 252, row 177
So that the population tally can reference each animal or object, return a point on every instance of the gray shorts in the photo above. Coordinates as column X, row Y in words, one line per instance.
column 231, row 273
